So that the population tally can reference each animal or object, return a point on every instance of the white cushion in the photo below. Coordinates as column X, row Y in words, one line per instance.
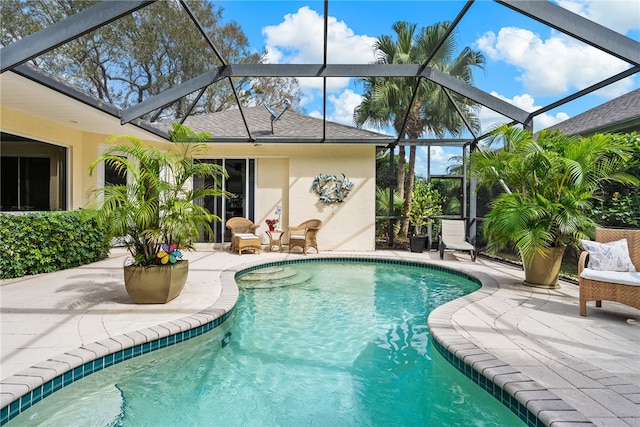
column 622, row 277
column 612, row 256
column 296, row 237
column 246, row 236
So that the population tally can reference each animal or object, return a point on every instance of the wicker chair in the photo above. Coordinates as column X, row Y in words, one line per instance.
column 243, row 235
column 596, row 290
column 304, row 236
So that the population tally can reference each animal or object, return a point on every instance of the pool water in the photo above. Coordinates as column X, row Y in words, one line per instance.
column 312, row 344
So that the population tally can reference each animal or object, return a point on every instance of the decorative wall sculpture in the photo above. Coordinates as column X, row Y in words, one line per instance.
column 331, row 188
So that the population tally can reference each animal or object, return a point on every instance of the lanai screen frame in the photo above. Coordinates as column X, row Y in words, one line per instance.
column 14, row 56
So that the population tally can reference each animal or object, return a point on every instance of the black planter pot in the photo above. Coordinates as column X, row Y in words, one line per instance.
column 418, row 243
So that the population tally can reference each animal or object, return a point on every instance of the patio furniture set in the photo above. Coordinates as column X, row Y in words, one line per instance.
column 244, row 237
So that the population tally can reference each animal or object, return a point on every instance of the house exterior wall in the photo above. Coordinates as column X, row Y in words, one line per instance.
column 284, row 174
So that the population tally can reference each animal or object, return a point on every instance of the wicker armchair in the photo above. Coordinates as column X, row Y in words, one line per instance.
column 599, row 290
column 243, row 235
column 304, row 236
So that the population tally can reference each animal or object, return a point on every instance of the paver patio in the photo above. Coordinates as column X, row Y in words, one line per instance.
column 566, row 368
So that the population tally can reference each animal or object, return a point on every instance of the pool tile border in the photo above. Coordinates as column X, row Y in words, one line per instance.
column 533, row 403
column 30, row 386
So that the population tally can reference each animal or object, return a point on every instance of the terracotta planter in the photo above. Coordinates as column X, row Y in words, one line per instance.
column 157, row 284
column 543, row 271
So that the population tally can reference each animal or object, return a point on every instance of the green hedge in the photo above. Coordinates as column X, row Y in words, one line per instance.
column 48, row 241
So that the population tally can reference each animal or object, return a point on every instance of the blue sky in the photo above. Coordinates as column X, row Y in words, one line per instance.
column 527, row 64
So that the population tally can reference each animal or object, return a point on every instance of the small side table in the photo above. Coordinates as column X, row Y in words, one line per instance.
column 275, row 239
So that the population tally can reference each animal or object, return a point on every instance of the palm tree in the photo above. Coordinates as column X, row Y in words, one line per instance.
column 387, row 100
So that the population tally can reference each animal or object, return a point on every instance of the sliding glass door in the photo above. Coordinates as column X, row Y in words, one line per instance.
column 241, row 185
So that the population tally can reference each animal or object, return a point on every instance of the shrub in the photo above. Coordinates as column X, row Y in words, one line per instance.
column 43, row 242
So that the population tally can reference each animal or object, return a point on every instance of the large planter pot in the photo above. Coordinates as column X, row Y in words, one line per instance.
column 417, row 243
column 157, row 284
column 543, row 270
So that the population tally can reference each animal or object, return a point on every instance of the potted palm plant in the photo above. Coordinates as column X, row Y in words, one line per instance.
column 425, row 205
column 550, row 183
column 155, row 214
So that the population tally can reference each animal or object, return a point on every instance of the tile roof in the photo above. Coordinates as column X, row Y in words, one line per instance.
column 625, row 108
column 228, row 124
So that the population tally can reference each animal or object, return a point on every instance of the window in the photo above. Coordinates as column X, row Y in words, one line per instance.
column 32, row 175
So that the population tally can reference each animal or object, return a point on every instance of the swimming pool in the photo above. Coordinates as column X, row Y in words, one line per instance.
column 325, row 343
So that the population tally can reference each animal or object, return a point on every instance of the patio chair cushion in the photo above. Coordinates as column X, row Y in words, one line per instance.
column 247, row 236
column 622, row 277
column 611, row 256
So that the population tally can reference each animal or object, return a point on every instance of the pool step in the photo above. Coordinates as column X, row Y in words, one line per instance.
column 273, row 277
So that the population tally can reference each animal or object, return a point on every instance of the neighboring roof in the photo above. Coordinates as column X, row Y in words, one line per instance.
column 618, row 115
column 228, row 126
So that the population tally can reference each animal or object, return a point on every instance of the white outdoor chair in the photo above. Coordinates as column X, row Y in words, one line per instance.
column 453, row 236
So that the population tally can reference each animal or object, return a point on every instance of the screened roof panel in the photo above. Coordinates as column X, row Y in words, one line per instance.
column 167, row 59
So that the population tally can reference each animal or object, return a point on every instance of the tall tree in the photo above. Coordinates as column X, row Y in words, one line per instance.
column 146, row 53
column 387, row 100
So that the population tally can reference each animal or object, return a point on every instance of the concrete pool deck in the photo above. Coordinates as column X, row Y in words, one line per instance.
column 568, row 370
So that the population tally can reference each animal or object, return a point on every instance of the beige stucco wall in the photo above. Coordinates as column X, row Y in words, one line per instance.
column 284, row 174
column 348, row 225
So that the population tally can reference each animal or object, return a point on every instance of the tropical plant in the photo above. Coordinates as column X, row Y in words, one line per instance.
column 383, row 210
column 157, row 205
column 425, row 205
column 620, row 205
column 553, row 182
column 388, row 100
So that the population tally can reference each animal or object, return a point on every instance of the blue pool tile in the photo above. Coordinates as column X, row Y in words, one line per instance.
column 14, row 408
column 67, row 378
column 77, row 373
column 127, row 353
column 57, row 383
column 108, row 360
column 47, row 388
column 88, row 369
column 36, row 395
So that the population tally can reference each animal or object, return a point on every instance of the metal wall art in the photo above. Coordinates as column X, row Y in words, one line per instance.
column 331, row 188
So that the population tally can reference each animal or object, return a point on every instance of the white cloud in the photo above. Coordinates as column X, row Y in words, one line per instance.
column 344, row 104
column 488, row 117
column 440, row 159
column 295, row 40
column 620, row 16
column 555, row 65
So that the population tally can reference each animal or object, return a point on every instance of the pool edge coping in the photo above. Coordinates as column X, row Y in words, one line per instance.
column 40, row 380
column 507, row 384
column 446, row 339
